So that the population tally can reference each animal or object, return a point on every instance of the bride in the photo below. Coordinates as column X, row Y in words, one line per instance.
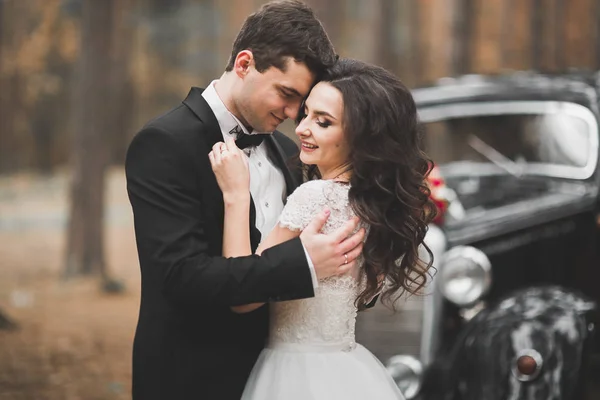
column 358, row 134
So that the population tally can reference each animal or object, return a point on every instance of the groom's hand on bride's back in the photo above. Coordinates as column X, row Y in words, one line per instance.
column 334, row 253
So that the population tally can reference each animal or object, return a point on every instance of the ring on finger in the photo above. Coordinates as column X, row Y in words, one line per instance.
column 345, row 258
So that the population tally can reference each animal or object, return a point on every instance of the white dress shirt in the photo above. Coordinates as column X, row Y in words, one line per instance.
column 267, row 184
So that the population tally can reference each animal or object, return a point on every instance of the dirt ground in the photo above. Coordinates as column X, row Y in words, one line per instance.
column 73, row 341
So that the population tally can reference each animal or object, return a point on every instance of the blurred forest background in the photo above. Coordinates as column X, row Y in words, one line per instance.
column 142, row 56
column 78, row 78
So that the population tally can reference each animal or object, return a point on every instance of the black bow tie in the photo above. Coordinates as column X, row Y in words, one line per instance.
column 243, row 140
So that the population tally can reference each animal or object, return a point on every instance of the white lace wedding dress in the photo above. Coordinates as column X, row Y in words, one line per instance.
column 312, row 353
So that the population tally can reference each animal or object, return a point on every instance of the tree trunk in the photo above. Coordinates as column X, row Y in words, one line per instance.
column 85, row 244
column 3, row 103
column 385, row 55
column 462, row 34
column 330, row 13
column 11, row 88
column 122, row 92
column 7, row 323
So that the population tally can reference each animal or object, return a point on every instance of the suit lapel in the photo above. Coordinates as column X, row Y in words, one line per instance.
column 196, row 103
column 279, row 158
column 212, row 195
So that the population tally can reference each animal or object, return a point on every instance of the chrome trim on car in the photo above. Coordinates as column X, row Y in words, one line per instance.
column 468, row 254
column 407, row 372
column 470, row 109
column 432, row 308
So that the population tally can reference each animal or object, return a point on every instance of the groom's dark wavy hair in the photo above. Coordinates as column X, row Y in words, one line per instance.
column 388, row 182
column 283, row 29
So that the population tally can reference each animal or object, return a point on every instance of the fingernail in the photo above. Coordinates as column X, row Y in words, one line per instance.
column 326, row 211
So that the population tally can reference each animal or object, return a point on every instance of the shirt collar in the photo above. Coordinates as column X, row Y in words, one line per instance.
column 227, row 121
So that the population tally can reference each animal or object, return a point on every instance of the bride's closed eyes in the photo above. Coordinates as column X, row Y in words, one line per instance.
column 322, row 117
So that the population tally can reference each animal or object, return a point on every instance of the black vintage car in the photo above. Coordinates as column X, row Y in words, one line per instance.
column 511, row 310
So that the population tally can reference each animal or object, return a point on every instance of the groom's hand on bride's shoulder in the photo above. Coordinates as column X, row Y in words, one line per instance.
column 334, row 253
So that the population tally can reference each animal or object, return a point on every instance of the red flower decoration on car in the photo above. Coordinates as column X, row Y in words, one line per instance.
column 437, row 185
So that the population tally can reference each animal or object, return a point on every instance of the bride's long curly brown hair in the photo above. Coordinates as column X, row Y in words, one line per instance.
column 388, row 177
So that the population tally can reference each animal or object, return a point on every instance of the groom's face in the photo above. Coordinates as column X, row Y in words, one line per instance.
column 268, row 98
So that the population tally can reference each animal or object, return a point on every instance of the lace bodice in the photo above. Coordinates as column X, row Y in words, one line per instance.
column 330, row 316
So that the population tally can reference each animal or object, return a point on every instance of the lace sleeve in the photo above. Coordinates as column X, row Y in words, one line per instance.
column 302, row 205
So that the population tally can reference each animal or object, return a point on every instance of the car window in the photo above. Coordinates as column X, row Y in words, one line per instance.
column 560, row 141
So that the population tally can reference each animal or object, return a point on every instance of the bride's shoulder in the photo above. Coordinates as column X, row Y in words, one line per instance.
column 310, row 192
column 310, row 198
column 313, row 187
column 302, row 204
column 318, row 185
column 320, row 193
column 314, row 184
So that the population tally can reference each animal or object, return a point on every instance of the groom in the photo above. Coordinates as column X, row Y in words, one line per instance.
column 188, row 343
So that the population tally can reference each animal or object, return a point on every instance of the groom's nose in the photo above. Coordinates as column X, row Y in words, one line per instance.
column 291, row 112
column 292, row 108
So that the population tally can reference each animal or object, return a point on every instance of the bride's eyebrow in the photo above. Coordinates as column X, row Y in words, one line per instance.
column 317, row 112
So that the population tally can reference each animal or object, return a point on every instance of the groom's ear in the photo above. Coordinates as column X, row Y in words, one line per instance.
column 243, row 62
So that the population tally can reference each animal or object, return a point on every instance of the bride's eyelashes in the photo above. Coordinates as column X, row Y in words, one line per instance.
column 323, row 124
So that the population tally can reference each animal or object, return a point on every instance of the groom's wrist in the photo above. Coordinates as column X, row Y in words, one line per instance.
column 311, row 268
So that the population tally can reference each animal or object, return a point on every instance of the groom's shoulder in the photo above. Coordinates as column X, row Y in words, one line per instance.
column 175, row 129
column 178, row 124
column 172, row 120
column 187, row 117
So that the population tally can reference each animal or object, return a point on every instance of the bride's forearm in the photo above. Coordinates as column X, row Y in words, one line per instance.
column 236, row 226
column 237, row 241
column 236, row 235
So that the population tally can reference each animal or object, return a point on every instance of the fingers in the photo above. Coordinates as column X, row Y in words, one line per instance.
column 235, row 151
column 317, row 223
column 352, row 242
column 344, row 231
column 216, row 154
column 222, row 151
column 351, row 258
column 217, row 147
column 231, row 146
column 345, row 268
column 354, row 253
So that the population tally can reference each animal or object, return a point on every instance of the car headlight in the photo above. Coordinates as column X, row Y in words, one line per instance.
column 406, row 372
column 465, row 276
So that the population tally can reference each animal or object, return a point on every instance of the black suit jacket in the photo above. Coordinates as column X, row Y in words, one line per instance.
column 188, row 344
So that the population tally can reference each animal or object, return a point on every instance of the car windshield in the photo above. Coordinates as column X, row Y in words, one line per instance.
column 537, row 138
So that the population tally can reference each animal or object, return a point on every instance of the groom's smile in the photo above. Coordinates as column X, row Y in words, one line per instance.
column 268, row 98
column 279, row 120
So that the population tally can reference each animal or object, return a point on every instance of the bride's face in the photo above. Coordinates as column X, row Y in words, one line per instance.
column 321, row 132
